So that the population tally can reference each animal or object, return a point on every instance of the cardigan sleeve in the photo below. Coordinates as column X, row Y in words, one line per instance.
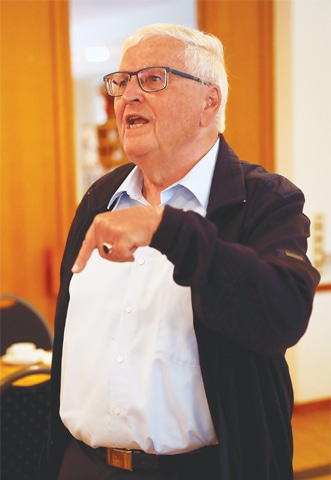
column 246, row 265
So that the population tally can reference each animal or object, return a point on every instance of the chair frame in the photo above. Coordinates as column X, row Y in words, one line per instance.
column 7, row 382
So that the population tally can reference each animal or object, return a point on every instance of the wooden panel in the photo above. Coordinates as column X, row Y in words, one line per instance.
column 37, row 161
column 312, row 440
column 245, row 29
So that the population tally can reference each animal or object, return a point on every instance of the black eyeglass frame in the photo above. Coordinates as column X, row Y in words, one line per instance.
column 167, row 69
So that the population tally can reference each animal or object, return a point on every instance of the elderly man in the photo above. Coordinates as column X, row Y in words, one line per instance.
column 183, row 282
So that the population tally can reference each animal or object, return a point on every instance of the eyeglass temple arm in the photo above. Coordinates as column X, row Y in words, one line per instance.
column 187, row 75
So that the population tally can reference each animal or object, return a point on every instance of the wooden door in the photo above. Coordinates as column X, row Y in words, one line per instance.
column 245, row 29
column 37, row 159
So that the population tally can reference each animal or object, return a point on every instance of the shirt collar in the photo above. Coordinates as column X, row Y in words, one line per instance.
column 204, row 169
column 132, row 185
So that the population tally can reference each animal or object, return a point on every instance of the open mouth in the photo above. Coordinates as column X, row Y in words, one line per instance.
column 136, row 121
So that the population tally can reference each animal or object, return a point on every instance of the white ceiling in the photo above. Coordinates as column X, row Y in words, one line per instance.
column 110, row 22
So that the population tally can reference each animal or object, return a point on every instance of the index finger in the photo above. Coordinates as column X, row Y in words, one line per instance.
column 88, row 245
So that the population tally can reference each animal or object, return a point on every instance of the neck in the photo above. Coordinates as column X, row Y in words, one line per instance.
column 160, row 175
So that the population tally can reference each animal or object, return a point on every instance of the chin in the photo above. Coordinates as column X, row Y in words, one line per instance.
column 137, row 148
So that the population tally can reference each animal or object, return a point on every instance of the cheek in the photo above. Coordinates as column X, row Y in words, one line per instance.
column 118, row 109
column 182, row 116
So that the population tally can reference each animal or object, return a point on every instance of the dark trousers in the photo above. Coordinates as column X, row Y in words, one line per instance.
column 78, row 465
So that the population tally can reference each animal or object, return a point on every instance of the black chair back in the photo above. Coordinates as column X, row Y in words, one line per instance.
column 21, row 322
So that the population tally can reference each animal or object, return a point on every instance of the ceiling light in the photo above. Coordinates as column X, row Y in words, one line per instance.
column 97, row 54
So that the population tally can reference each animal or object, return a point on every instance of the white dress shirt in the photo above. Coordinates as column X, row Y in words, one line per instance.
column 131, row 376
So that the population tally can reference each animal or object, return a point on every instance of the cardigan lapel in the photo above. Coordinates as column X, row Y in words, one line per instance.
column 228, row 184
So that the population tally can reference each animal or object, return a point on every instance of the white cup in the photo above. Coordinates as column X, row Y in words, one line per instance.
column 21, row 348
column 24, row 353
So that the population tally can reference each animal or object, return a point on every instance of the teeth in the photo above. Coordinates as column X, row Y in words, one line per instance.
column 132, row 120
column 132, row 123
column 136, row 122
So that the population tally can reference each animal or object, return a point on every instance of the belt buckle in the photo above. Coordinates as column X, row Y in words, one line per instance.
column 120, row 458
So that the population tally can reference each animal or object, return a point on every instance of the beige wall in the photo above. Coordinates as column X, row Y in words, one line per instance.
column 303, row 153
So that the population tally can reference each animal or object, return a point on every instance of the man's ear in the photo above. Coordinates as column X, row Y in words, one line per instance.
column 211, row 105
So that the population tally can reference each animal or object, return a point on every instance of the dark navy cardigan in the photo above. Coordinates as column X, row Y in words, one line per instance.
column 252, row 292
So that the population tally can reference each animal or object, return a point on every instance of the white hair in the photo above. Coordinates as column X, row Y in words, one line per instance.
column 204, row 56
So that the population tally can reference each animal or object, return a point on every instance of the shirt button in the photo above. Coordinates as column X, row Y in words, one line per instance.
column 117, row 411
column 128, row 309
column 120, row 359
column 141, row 261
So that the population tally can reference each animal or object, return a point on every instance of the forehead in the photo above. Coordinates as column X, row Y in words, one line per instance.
column 156, row 50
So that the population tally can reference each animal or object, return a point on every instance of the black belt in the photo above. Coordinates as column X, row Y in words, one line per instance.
column 135, row 460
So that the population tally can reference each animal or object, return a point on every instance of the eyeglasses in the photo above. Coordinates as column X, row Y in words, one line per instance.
column 150, row 79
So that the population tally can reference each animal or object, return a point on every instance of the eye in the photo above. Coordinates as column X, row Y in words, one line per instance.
column 120, row 81
column 154, row 78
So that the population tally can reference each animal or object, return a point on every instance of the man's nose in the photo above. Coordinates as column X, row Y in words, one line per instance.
column 132, row 90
